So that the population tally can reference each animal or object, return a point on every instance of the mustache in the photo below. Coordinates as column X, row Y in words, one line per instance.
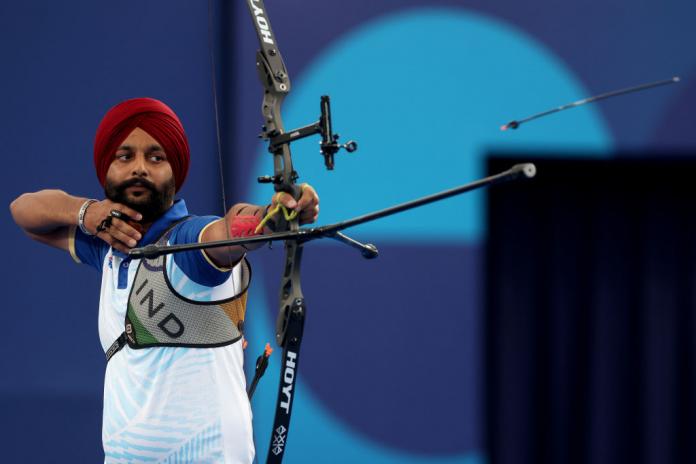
column 151, row 206
column 136, row 182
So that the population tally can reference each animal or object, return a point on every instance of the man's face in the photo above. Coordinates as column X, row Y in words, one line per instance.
column 141, row 177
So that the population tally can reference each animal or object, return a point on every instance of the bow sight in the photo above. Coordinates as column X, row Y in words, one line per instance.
column 329, row 145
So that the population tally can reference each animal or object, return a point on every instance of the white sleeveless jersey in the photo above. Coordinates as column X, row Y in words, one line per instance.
column 172, row 404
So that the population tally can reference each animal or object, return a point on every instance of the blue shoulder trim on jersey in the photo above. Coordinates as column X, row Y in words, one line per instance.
column 91, row 250
column 193, row 263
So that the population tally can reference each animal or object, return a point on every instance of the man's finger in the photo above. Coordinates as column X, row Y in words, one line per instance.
column 116, row 233
column 100, row 211
column 304, row 203
column 308, row 199
column 285, row 199
column 309, row 215
column 126, row 228
column 130, row 212
column 113, row 242
column 310, row 212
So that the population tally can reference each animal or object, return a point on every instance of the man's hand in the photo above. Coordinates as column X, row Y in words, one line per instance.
column 121, row 235
column 307, row 206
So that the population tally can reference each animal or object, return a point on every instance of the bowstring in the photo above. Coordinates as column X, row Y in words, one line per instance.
column 218, row 137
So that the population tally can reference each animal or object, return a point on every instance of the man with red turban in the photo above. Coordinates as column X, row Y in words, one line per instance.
column 171, row 327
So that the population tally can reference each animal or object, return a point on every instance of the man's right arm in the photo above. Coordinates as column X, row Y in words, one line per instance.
column 47, row 216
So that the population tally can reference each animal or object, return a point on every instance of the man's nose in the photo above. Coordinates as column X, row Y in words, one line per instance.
column 139, row 165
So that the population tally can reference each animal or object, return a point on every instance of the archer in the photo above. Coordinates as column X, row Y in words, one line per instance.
column 171, row 327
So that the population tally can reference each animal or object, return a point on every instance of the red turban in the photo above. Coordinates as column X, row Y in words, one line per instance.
column 152, row 116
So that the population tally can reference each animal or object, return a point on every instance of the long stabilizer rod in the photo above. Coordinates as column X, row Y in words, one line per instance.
column 519, row 171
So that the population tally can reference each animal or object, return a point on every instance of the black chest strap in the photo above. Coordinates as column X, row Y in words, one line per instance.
column 116, row 346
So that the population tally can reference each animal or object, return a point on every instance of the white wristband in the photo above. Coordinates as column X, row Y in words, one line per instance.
column 81, row 216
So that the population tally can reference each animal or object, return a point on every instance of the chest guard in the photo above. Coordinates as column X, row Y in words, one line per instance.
column 158, row 315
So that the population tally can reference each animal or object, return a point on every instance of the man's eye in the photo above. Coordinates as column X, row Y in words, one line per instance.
column 123, row 156
column 157, row 158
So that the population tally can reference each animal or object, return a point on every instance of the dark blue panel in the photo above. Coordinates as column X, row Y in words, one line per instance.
column 57, row 428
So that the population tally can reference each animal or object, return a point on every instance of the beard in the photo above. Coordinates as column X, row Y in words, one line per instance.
column 151, row 204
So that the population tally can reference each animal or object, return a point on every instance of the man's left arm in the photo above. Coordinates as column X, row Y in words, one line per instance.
column 307, row 207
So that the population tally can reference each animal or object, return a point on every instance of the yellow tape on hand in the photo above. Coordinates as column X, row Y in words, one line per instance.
column 288, row 214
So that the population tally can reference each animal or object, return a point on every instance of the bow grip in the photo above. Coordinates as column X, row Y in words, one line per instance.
column 291, row 189
column 279, row 221
column 296, row 191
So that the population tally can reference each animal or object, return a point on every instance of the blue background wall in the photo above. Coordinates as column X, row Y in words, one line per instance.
column 392, row 362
